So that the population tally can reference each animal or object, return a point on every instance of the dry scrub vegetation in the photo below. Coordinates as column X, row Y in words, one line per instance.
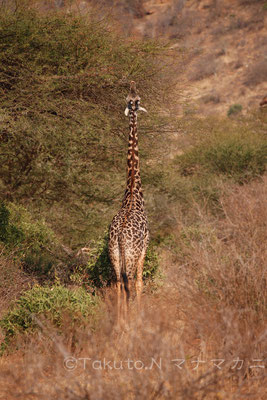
column 203, row 68
column 202, row 332
column 256, row 74
column 211, row 308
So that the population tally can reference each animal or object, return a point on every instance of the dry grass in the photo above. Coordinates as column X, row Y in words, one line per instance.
column 211, row 308
column 203, row 67
column 12, row 280
column 256, row 74
column 212, row 97
column 177, row 22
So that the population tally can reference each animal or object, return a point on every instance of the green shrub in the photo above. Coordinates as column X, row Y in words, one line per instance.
column 36, row 233
column 63, row 83
column 99, row 268
column 64, row 93
column 236, row 157
column 234, row 109
column 151, row 264
column 9, row 233
column 54, row 303
column 29, row 239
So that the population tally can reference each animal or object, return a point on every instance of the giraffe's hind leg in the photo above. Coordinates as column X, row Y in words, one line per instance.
column 118, row 284
column 124, row 305
column 115, row 261
column 139, row 279
column 126, row 299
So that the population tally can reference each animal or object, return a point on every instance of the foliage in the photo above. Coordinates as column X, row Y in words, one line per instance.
column 234, row 109
column 36, row 233
column 63, row 83
column 207, row 156
column 29, row 240
column 236, row 157
column 9, row 233
column 151, row 264
column 54, row 303
column 99, row 268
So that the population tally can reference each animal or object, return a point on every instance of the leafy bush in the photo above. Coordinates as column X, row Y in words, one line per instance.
column 36, row 233
column 234, row 109
column 63, row 84
column 9, row 233
column 27, row 238
column 53, row 303
column 238, row 158
column 151, row 264
column 99, row 268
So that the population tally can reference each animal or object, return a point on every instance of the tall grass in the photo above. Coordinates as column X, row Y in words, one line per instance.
column 202, row 335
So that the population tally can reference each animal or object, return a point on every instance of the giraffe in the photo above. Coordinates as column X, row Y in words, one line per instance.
column 128, row 233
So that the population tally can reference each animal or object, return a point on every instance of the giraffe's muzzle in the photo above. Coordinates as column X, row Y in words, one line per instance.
column 133, row 106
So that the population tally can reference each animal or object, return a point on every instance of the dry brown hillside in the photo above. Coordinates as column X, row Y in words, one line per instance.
column 225, row 43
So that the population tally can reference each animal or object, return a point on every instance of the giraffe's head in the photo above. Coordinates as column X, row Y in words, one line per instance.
column 133, row 101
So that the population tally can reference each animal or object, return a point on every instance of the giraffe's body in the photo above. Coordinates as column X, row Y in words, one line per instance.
column 128, row 234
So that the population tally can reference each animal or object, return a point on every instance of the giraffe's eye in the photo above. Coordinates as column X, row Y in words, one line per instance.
column 130, row 104
column 137, row 104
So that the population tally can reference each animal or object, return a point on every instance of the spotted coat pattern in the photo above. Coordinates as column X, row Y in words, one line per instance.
column 128, row 234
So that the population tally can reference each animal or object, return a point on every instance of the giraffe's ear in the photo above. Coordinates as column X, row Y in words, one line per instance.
column 126, row 112
column 143, row 109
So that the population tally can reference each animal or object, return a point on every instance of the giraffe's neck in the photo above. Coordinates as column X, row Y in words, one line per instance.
column 133, row 196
